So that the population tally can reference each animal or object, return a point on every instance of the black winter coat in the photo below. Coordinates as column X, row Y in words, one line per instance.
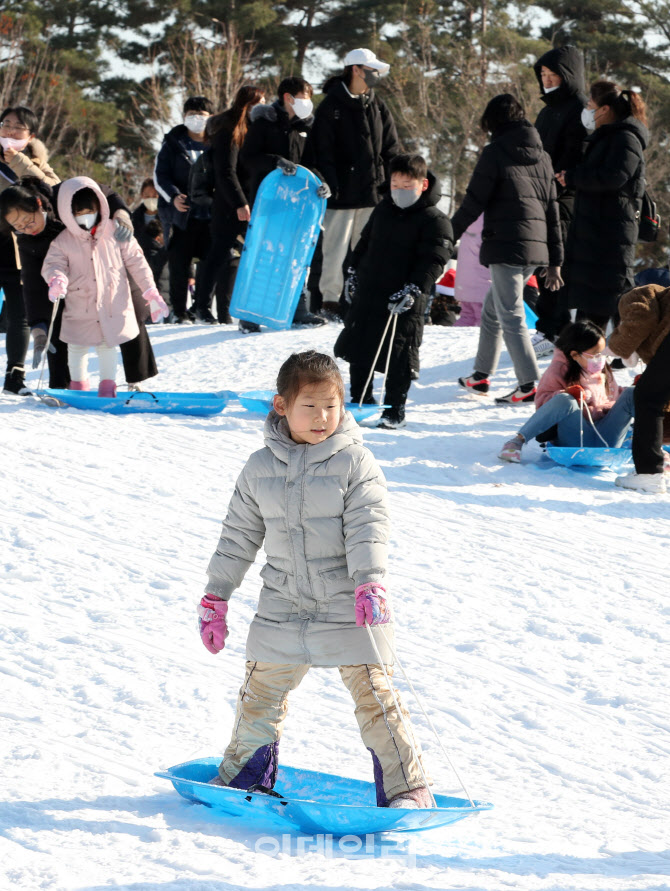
column 397, row 247
column 171, row 173
column 559, row 123
column 513, row 186
column 354, row 140
column 230, row 175
column 609, row 185
column 273, row 135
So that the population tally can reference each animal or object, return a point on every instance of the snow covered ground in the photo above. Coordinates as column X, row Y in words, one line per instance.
column 533, row 616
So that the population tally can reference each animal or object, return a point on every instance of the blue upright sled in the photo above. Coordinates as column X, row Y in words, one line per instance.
column 313, row 802
column 278, row 248
column 200, row 404
column 261, row 401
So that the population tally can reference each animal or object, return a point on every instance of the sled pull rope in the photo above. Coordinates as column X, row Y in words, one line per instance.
column 379, row 349
column 427, row 717
column 582, row 406
column 410, row 735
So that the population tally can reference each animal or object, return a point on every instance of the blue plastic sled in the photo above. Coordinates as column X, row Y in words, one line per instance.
column 278, row 249
column 531, row 316
column 313, row 802
column 261, row 401
column 574, row 456
column 201, row 404
column 2, row 298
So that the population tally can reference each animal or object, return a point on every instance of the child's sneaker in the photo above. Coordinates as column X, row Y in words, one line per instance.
column 412, row 799
column 525, row 393
column 475, row 384
column 392, row 418
column 511, row 451
column 653, row 483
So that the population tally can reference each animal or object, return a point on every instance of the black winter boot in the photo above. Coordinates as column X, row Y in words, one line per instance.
column 304, row 318
column 15, row 382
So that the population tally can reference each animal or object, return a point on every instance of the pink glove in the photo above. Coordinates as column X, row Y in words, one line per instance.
column 371, row 605
column 58, row 287
column 157, row 306
column 213, row 627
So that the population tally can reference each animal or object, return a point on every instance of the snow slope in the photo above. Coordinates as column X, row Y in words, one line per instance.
column 533, row 618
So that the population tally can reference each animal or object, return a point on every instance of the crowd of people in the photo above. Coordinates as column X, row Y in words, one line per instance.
column 559, row 200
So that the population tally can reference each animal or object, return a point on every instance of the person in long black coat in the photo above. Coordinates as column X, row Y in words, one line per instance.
column 609, row 185
column 560, row 74
column 513, row 185
column 399, row 247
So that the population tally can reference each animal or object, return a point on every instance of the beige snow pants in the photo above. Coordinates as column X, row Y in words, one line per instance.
column 252, row 754
column 341, row 229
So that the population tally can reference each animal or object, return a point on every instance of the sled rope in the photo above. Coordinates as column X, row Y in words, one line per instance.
column 582, row 406
column 406, row 728
column 51, row 401
column 430, row 723
column 393, row 316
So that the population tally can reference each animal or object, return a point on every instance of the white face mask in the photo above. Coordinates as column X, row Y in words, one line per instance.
column 17, row 144
column 404, row 197
column 151, row 204
column 86, row 220
column 549, row 89
column 302, row 107
column 196, row 123
column 589, row 119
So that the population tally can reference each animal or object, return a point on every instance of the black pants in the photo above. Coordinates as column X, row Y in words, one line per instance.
column 652, row 393
column 18, row 333
column 552, row 317
column 223, row 265
column 597, row 318
column 185, row 245
column 398, row 383
column 137, row 354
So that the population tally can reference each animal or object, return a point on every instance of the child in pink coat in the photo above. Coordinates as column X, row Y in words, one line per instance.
column 88, row 267
column 578, row 379
column 472, row 279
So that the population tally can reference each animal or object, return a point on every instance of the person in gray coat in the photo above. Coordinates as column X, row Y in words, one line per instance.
column 316, row 498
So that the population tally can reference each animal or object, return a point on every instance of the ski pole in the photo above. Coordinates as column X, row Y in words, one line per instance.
column 374, row 361
column 406, row 728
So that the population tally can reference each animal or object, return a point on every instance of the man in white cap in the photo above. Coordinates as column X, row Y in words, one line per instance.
column 354, row 138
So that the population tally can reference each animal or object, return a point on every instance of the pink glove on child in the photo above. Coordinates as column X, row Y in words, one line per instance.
column 371, row 605
column 157, row 306
column 213, row 627
column 58, row 287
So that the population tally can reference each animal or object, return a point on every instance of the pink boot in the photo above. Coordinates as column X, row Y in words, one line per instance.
column 107, row 389
column 78, row 385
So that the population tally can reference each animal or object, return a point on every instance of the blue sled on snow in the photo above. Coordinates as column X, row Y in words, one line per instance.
column 313, row 802
column 574, row 456
column 200, row 404
column 278, row 249
column 261, row 401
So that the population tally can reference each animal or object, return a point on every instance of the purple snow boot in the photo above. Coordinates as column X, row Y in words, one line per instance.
column 413, row 798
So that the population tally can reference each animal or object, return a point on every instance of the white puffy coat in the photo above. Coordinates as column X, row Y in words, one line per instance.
column 322, row 512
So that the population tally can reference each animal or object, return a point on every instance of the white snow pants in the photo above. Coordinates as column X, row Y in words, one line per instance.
column 77, row 360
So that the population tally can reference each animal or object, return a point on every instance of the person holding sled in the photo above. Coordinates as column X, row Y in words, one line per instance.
column 400, row 255
column 315, row 498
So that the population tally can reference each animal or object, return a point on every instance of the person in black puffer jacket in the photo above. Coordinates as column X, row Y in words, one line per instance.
column 400, row 255
column 513, row 185
column 560, row 74
column 609, row 186
column 354, row 140
column 278, row 137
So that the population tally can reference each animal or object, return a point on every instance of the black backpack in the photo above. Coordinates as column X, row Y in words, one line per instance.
column 649, row 219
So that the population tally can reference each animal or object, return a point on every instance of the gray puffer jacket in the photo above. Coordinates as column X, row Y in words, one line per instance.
column 322, row 512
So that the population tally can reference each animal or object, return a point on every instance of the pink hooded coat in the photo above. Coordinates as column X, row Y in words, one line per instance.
column 472, row 279
column 98, row 305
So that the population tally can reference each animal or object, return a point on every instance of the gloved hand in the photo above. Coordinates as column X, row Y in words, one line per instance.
column 631, row 361
column 157, row 306
column 124, row 226
column 39, row 344
column 404, row 299
column 213, row 627
column 323, row 191
column 578, row 392
column 552, row 278
column 288, row 168
column 58, row 287
column 350, row 284
column 371, row 606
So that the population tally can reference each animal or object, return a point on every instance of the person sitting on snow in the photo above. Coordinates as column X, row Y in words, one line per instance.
column 400, row 255
column 315, row 498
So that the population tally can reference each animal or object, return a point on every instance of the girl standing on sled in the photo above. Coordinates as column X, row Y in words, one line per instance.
column 316, row 498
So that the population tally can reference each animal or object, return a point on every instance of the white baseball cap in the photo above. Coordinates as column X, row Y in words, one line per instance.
column 366, row 57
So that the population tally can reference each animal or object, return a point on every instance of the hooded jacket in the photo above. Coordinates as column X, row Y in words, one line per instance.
column 397, row 247
column 173, row 165
column 273, row 135
column 644, row 323
column 559, row 123
column 321, row 513
column 354, row 140
column 472, row 279
column 609, row 184
column 98, row 304
column 513, row 185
